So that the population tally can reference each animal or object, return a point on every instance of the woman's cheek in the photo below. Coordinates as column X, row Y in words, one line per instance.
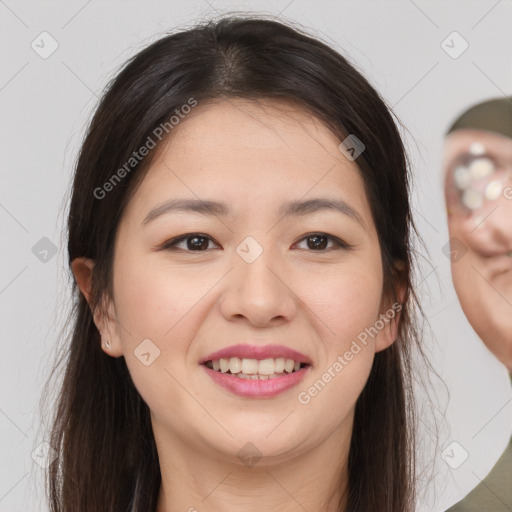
column 351, row 301
column 147, row 293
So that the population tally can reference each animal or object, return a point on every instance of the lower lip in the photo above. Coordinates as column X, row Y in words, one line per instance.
column 257, row 388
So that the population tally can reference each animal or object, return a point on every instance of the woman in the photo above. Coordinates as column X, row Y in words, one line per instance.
column 239, row 234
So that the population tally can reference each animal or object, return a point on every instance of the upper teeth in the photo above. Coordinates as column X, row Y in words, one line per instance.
column 255, row 366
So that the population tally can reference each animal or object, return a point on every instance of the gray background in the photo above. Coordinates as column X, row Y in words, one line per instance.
column 46, row 102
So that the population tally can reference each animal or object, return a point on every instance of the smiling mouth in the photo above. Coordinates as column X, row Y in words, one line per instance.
column 253, row 369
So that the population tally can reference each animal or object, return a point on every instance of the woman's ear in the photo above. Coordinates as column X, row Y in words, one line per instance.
column 104, row 318
column 390, row 315
column 82, row 269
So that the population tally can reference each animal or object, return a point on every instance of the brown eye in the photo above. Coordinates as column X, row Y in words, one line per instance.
column 193, row 242
column 319, row 242
column 198, row 242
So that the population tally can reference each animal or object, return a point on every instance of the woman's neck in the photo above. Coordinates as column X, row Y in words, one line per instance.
column 316, row 480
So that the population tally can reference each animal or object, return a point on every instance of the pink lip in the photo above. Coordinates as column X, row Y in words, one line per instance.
column 257, row 352
column 257, row 388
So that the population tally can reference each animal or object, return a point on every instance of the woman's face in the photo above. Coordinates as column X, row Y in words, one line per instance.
column 478, row 189
column 248, row 274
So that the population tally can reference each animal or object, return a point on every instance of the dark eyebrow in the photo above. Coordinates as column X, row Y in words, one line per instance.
column 204, row 207
column 315, row 205
column 291, row 208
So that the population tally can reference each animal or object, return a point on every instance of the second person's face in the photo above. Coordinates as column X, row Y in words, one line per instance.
column 478, row 190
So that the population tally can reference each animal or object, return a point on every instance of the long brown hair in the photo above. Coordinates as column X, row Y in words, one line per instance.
column 101, row 428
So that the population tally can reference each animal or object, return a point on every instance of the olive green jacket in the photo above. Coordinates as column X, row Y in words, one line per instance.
column 494, row 493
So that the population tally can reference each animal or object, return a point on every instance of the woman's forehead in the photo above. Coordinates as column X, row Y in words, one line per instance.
column 233, row 123
column 241, row 145
column 251, row 164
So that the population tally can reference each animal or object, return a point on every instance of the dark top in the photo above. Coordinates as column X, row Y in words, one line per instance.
column 494, row 492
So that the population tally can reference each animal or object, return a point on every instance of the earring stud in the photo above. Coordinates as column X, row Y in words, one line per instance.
column 107, row 343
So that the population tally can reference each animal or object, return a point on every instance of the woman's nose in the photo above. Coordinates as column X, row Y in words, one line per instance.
column 256, row 289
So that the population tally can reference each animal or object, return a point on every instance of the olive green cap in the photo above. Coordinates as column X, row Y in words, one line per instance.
column 492, row 115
